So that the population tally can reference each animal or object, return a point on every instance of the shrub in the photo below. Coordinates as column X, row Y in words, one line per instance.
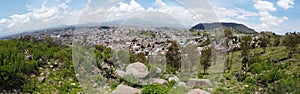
column 289, row 85
column 132, row 80
column 271, row 76
column 228, row 76
column 250, row 80
column 155, row 89
column 258, row 67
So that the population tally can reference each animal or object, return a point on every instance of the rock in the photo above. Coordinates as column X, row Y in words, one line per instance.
column 95, row 85
column 73, row 84
column 181, row 84
column 41, row 79
column 203, row 83
column 174, row 78
column 166, row 76
column 121, row 73
column 197, row 91
column 123, row 89
column 159, row 81
column 137, row 69
column 155, row 72
column 80, row 93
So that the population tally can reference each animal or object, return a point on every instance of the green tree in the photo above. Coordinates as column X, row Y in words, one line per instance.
column 229, row 39
column 205, row 59
column 173, row 57
column 291, row 41
column 264, row 43
column 245, row 46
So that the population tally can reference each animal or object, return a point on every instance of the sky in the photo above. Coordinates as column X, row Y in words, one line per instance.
column 279, row 16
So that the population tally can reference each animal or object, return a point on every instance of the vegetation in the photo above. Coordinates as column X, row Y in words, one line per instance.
column 32, row 66
column 271, row 72
column 205, row 59
column 173, row 58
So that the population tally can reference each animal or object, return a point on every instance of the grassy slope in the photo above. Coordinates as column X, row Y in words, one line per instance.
column 231, row 85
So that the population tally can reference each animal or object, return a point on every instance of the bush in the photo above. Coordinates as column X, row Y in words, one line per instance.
column 250, row 80
column 155, row 89
column 258, row 67
column 289, row 85
column 114, row 84
column 228, row 76
column 271, row 76
column 132, row 80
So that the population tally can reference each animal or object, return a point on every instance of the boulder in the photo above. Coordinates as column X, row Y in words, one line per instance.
column 155, row 72
column 158, row 81
column 123, row 89
column 121, row 73
column 181, row 84
column 174, row 78
column 197, row 91
column 137, row 69
column 202, row 83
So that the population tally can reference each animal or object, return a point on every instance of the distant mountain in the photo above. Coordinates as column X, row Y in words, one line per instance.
column 211, row 26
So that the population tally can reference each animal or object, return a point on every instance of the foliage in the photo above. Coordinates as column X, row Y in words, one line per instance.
column 245, row 46
column 290, row 41
column 205, row 59
column 173, row 57
column 155, row 89
column 132, row 80
column 264, row 43
column 23, row 60
column 258, row 67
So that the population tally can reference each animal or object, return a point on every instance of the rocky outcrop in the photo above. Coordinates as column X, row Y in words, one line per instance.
column 197, row 91
column 123, row 89
column 137, row 69
column 202, row 83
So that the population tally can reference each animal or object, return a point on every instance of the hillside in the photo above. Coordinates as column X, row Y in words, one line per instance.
column 210, row 26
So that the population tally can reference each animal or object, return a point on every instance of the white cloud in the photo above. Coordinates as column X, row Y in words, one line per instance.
column 286, row 4
column 269, row 19
column 159, row 3
column 264, row 5
column 113, row 1
column 241, row 14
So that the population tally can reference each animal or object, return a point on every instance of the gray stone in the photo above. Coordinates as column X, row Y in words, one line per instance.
column 121, row 73
column 41, row 79
column 174, row 78
column 123, row 89
column 155, row 72
column 181, row 84
column 137, row 69
column 95, row 85
column 202, row 83
column 158, row 81
column 197, row 91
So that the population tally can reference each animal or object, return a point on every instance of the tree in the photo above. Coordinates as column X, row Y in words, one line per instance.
column 205, row 59
column 173, row 57
column 229, row 38
column 264, row 43
column 291, row 42
column 245, row 46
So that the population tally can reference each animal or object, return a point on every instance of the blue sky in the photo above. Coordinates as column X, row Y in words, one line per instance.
column 278, row 16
